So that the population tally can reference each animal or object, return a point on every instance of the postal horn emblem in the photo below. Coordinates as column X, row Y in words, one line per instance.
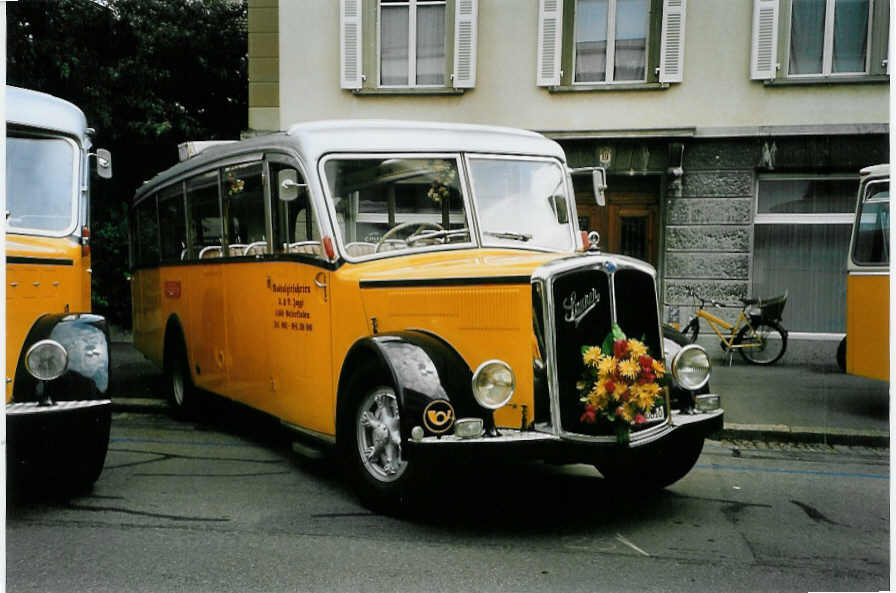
column 438, row 416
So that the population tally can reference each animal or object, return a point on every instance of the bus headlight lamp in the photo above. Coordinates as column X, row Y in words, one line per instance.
column 691, row 367
column 493, row 384
column 46, row 360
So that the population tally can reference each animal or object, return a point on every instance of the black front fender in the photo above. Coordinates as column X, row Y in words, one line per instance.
column 423, row 368
column 85, row 338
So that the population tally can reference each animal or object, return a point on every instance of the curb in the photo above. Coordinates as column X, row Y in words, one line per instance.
column 782, row 433
column 805, row 434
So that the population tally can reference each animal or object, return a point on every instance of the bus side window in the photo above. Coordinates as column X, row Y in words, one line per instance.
column 205, row 223
column 243, row 199
column 147, row 229
column 296, row 221
column 172, row 218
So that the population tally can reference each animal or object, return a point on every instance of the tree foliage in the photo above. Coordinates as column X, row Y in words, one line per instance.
column 148, row 74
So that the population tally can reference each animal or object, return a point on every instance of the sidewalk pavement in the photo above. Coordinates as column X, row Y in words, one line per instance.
column 792, row 403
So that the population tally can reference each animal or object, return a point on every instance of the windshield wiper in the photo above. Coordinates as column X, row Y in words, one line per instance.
column 509, row 235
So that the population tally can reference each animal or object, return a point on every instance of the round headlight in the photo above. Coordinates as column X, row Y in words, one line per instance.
column 46, row 360
column 493, row 384
column 691, row 367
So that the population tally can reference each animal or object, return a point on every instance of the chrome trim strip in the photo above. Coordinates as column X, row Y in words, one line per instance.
column 22, row 408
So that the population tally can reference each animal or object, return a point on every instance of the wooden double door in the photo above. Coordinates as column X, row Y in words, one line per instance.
column 628, row 224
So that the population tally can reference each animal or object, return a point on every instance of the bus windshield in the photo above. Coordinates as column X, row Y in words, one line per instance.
column 872, row 243
column 41, row 175
column 521, row 203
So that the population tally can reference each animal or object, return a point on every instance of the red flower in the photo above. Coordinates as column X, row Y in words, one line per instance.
column 640, row 419
column 646, row 362
column 647, row 377
column 620, row 349
column 589, row 417
column 626, row 395
column 619, row 411
column 610, row 386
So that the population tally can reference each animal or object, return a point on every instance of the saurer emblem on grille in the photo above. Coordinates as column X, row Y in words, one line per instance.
column 578, row 308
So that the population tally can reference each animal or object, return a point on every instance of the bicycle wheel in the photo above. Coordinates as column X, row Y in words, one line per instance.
column 765, row 345
column 691, row 330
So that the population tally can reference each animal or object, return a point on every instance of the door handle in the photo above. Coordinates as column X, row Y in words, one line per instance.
column 320, row 280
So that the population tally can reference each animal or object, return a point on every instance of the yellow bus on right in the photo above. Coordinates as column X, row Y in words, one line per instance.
column 865, row 349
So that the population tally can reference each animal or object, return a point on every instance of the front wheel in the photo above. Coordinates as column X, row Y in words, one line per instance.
column 763, row 343
column 182, row 395
column 371, row 446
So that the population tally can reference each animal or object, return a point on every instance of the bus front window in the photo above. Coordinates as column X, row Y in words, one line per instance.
column 872, row 244
column 41, row 184
column 521, row 203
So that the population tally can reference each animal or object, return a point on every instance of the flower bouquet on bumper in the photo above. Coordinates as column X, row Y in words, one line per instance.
column 621, row 384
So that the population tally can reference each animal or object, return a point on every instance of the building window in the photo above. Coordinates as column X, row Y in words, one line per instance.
column 823, row 45
column 801, row 238
column 407, row 45
column 826, row 40
column 610, row 40
column 412, row 42
column 606, row 42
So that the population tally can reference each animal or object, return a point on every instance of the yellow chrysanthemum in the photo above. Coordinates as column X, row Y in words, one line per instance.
column 592, row 356
column 637, row 349
column 658, row 368
column 628, row 413
column 599, row 400
column 646, row 397
column 607, row 366
column 629, row 368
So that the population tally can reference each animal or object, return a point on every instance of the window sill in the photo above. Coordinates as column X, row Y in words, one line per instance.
column 833, row 80
column 407, row 92
column 591, row 88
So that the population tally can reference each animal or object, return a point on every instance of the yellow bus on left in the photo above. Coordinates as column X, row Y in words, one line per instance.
column 57, row 352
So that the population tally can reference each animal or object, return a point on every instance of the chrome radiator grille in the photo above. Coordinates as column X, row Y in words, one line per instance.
column 576, row 307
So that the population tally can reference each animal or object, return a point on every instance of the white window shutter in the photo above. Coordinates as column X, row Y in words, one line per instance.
column 672, row 46
column 550, row 37
column 465, row 13
column 764, row 49
column 350, row 44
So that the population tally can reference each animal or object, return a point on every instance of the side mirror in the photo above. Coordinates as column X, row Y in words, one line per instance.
column 287, row 185
column 104, row 163
column 599, row 180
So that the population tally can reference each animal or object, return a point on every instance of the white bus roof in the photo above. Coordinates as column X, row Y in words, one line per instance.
column 321, row 137
column 46, row 112
column 312, row 140
column 876, row 171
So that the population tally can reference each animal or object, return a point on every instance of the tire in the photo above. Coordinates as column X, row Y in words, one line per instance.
column 692, row 330
column 370, row 444
column 656, row 470
column 841, row 355
column 182, row 394
column 772, row 344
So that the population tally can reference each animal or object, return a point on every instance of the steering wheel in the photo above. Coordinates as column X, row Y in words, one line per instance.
column 405, row 225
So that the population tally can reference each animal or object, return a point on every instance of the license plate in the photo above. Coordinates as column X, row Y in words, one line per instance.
column 656, row 414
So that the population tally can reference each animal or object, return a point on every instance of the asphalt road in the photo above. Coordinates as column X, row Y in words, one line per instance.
column 226, row 506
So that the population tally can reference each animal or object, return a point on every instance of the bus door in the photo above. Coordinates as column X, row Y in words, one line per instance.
column 299, row 320
column 207, row 340
column 248, row 241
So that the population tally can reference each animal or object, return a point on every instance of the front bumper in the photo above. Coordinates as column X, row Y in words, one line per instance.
column 57, row 443
column 564, row 448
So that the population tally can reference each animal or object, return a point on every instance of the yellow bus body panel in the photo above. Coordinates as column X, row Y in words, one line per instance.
column 867, row 325
column 43, row 275
column 274, row 334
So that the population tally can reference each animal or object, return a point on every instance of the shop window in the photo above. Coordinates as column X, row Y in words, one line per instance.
column 801, row 238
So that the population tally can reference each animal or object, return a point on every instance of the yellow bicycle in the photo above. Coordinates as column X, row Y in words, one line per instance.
column 756, row 334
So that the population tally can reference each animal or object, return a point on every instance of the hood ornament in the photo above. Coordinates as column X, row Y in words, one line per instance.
column 594, row 241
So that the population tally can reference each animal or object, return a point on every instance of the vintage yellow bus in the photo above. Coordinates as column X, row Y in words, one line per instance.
column 865, row 349
column 404, row 290
column 57, row 352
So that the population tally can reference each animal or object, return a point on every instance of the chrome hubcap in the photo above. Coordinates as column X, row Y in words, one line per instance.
column 379, row 436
